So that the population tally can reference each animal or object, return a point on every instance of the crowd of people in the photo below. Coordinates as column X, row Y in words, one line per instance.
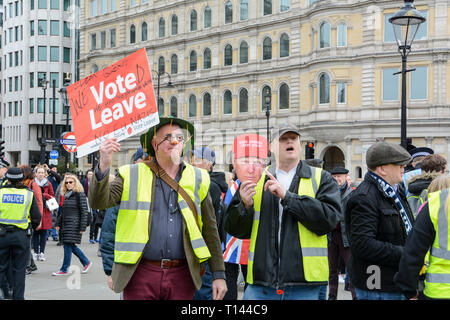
column 173, row 228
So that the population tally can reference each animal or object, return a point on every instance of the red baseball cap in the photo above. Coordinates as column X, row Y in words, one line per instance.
column 250, row 145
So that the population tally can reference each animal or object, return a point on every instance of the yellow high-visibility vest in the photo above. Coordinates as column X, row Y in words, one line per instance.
column 15, row 205
column 437, row 279
column 132, row 230
column 314, row 248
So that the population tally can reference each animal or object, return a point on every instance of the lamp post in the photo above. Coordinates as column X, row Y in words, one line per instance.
column 55, row 144
column 44, row 83
column 63, row 93
column 405, row 22
column 169, row 85
column 267, row 101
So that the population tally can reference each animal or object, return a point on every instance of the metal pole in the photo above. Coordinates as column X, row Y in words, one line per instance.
column 43, row 143
column 403, row 120
column 54, row 124
column 157, row 103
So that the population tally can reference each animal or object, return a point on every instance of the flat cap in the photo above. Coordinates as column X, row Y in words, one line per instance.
column 420, row 152
column 339, row 170
column 383, row 152
column 14, row 174
column 282, row 129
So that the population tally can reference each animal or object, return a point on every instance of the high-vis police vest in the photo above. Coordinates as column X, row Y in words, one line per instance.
column 437, row 279
column 15, row 205
column 314, row 248
column 132, row 221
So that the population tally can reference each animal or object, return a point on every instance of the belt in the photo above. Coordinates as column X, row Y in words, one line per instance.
column 11, row 228
column 166, row 263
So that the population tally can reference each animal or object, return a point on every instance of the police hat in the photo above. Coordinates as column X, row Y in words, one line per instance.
column 14, row 174
column 420, row 152
column 339, row 170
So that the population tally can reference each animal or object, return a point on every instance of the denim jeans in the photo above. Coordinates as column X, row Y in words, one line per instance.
column 70, row 248
column 205, row 292
column 377, row 295
column 255, row 292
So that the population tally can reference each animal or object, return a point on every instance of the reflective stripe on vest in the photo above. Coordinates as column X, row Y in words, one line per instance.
column 132, row 221
column 15, row 205
column 314, row 248
column 437, row 280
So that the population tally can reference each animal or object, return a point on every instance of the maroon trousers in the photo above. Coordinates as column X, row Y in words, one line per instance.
column 150, row 282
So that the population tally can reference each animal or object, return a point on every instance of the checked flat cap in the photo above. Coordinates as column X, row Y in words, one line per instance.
column 383, row 152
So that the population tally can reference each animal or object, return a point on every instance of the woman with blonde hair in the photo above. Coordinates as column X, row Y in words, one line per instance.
column 72, row 221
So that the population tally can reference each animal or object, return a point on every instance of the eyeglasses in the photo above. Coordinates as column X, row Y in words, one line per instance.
column 69, row 182
column 178, row 137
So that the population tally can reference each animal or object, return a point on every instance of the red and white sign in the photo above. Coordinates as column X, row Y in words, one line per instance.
column 118, row 101
column 69, row 147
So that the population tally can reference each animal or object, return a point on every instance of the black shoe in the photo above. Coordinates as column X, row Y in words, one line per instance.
column 331, row 298
column 346, row 287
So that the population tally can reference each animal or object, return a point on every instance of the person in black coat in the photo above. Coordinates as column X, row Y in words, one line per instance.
column 72, row 222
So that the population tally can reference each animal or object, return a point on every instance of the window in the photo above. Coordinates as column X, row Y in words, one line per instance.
column 32, row 28
column 418, row 89
column 228, row 12
column 41, row 77
column 93, row 41
column 267, row 7
column 192, row 106
column 388, row 29
column 54, row 27
column 161, row 65
column 193, row 61
column 173, row 107
column 243, row 10
column 324, row 35
column 112, row 5
column 193, row 20
column 54, row 4
column 54, row 76
column 31, row 54
column 31, row 105
column 422, row 33
column 266, row 98
column 31, row 4
column 228, row 55
column 227, row 102
column 42, row 4
column 103, row 39
column 93, row 7
column 161, row 107
column 42, row 27
column 207, row 18
column 207, row 104
column 341, row 88
column 267, row 49
column 324, row 88
column 66, row 29
column 161, row 28
column 243, row 100
column 66, row 57
column 103, row 6
column 207, row 59
column 31, row 79
column 284, row 45
column 40, row 105
column 66, row 5
column 132, row 34
column 284, row 5
column 54, row 54
column 342, row 35
column 284, row 96
column 174, row 64
column 132, row 3
column 144, row 31
column 112, row 38
column 243, row 52
column 174, row 25
column 390, row 84
column 42, row 53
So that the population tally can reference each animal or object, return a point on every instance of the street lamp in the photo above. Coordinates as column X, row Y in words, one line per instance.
column 63, row 93
column 267, row 100
column 43, row 83
column 169, row 85
column 406, row 23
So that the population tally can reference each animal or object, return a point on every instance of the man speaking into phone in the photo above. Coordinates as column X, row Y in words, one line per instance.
column 287, row 215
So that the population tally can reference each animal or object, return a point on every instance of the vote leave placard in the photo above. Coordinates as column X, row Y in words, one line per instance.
column 117, row 101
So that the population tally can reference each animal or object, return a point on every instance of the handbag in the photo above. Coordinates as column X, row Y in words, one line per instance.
column 52, row 204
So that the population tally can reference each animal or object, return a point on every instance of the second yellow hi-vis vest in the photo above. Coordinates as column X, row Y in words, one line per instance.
column 437, row 279
column 132, row 230
column 314, row 248
column 15, row 205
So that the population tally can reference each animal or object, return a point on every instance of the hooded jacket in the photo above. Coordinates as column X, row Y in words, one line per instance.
column 417, row 187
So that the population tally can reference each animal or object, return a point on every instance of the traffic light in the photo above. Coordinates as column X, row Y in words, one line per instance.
column 2, row 153
column 66, row 80
column 309, row 150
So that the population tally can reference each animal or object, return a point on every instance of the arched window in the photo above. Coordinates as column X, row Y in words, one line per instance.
column 267, row 49
column 161, row 107
column 243, row 10
column 227, row 102
column 161, row 65
column 284, row 96
column 144, row 31
column 266, row 98
column 243, row 52
column 174, row 64
column 228, row 55
column 243, row 100
column 161, row 28
column 228, row 12
column 193, row 20
column 132, row 33
column 174, row 107
column 94, row 68
column 324, row 88
column 207, row 59
column 192, row 106
column 324, row 35
column 342, row 35
column 207, row 104
column 193, row 61
column 267, row 7
column 207, row 18
column 284, row 45
column 174, row 25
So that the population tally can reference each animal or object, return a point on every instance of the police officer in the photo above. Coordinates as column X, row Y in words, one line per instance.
column 18, row 209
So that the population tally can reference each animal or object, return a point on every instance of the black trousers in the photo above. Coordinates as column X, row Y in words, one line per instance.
column 14, row 253
column 232, row 274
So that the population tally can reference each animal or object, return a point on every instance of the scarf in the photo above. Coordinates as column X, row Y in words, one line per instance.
column 42, row 182
column 392, row 193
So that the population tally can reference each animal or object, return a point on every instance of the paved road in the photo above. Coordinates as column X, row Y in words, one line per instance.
column 41, row 285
